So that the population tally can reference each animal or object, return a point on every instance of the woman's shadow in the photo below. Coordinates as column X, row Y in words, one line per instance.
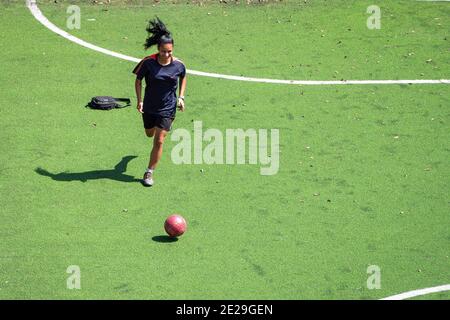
column 114, row 174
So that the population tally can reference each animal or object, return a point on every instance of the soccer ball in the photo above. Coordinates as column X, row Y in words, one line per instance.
column 175, row 225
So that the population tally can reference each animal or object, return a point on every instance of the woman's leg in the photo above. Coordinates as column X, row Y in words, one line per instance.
column 158, row 140
column 150, row 132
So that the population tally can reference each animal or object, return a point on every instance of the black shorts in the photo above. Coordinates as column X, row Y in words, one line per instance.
column 154, row 120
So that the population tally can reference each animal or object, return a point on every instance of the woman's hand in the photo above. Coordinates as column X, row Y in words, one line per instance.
column 180, row 104
column 140, row 107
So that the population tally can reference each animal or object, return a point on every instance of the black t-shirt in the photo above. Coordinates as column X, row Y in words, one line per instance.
column 161, row 84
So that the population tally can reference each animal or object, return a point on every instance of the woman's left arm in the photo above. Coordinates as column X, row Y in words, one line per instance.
column 181, row 94
column 182, row 86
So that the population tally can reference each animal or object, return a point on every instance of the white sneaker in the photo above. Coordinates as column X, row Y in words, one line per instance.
column 148, row 179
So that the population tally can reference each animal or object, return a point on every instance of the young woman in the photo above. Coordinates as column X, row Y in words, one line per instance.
column 162, row 73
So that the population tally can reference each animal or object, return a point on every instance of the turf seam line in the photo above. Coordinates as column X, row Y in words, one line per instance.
column 38, row 15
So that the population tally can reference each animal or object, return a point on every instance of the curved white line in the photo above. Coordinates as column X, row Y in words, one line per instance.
column 420, row 292
column 32, row 5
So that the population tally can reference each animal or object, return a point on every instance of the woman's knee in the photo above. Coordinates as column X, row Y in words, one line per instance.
column 159, row 138
column 158, row 141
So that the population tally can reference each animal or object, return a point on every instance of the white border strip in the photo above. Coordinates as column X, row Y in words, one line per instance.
column 421, row 292
column 32, row 5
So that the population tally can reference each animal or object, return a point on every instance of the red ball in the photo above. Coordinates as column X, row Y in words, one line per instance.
column 175, row 225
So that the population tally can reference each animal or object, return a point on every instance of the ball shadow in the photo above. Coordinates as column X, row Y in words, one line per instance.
column 164, row 239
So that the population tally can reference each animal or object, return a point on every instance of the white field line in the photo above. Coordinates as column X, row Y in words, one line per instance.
column 32, row 5
column 421, row 292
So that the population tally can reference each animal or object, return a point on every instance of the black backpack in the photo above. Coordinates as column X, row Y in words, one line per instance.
column 107, row 103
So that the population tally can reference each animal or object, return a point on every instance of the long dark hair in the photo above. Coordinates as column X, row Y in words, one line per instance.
column 157, row 34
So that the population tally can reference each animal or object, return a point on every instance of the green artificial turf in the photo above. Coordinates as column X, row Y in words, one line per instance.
column 363, row 177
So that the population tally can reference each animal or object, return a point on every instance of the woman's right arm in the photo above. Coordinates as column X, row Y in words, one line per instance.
column 138, row 88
